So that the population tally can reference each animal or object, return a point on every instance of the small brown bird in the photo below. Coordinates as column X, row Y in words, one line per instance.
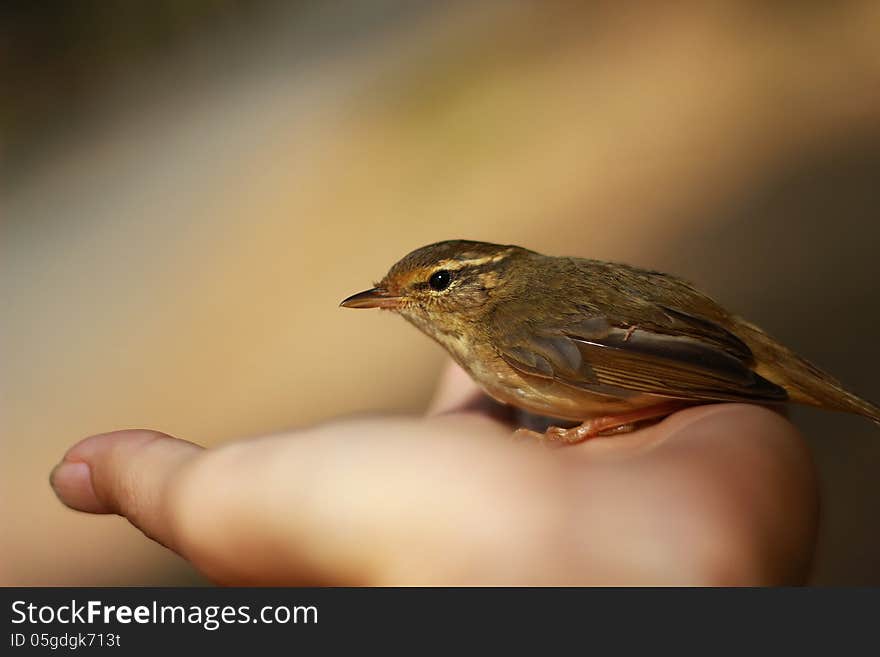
column 605, row 344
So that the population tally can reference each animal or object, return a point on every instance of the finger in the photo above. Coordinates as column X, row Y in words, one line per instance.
column 722, row 494
column 457, row 393
column 766, row 488
column 455, row 390
column 124, row 472
column 393, row 501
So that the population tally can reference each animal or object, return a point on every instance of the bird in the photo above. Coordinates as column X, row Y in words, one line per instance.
column 604, row 345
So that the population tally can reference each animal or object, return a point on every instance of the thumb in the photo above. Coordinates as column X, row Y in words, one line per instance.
column 124, row 472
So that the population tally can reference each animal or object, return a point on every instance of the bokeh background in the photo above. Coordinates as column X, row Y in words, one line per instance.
column 189, row 187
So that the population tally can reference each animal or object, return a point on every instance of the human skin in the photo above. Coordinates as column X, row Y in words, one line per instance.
column 722, row 494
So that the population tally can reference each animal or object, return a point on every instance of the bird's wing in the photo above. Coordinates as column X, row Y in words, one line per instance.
column 685, row 357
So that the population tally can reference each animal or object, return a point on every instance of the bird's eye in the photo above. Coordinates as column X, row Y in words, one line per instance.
column 440, row 280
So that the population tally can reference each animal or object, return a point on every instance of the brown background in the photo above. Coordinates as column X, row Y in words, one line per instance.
column 189, row 188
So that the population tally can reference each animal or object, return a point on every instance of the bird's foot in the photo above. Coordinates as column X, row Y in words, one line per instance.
column 601, row 426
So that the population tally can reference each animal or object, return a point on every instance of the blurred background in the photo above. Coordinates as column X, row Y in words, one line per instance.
column 189, row 187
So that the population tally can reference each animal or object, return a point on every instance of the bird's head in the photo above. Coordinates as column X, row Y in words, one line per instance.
column 441, row 286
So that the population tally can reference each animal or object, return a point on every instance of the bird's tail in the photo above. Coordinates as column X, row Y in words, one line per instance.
column 805, row 383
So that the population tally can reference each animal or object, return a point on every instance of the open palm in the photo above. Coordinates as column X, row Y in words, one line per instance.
column 718, row 494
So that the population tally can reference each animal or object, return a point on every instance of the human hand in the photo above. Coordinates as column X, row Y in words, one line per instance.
column 720, row 494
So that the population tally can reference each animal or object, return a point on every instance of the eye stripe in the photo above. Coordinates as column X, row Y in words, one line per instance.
column 417, row 279
column 452, row 264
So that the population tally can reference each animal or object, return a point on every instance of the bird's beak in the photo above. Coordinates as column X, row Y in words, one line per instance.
column 374, row 298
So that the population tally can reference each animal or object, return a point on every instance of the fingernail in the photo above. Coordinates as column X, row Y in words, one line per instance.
column 72, row 483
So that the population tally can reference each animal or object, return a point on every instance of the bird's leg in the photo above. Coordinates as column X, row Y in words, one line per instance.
column 603, row 426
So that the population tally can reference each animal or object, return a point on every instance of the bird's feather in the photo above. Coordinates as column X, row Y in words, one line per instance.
column 596, row 354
